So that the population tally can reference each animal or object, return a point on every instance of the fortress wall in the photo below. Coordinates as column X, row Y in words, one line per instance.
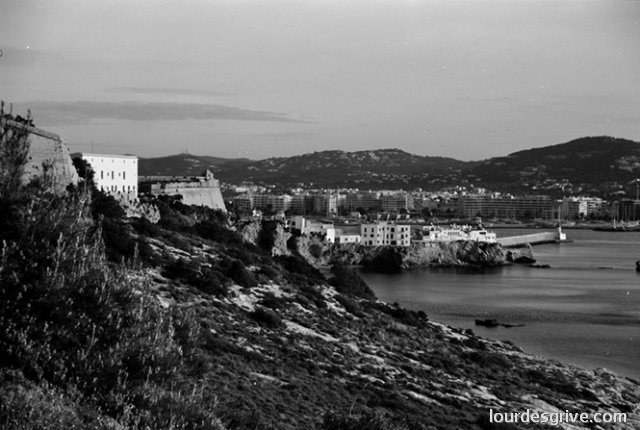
column 51, row 155
column 47, row 155
column 203, row 196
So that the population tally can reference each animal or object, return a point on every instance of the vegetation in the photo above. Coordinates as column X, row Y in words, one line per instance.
column 347, row 281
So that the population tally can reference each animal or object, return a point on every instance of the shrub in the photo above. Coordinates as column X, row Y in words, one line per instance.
column 240, row 274
column 299, row 272
column 217, row 232
column 312, row 294
column 344, row 420
column 348, row 281
column 272, row 302
column 266, row 317
column 351, row 306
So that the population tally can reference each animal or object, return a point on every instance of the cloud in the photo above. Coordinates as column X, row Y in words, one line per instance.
column 169, row 91
column 87, row 112
column 292, row 135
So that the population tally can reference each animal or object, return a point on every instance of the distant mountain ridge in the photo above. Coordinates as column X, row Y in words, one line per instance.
column 182, row 164
column 596, row 165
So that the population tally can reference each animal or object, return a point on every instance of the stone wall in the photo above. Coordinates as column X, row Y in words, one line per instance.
column 49, row 158
column 197, row 191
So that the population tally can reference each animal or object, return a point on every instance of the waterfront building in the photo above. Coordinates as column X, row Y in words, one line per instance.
column 432, row 234
column 384, row 233
column 325, row 204
column 344, row 234
column 273, row 202
column 301, row 204
column 369, row 201
column 627, row 210
column 243, row 203
column 581, row 207
column 114, row 174
column 506, row 207
column 396, row 202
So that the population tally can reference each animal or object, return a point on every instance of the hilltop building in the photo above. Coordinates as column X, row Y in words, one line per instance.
column 196, row 190
column 114, row 174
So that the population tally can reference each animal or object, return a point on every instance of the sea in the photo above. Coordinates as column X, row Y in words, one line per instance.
column 584, row 309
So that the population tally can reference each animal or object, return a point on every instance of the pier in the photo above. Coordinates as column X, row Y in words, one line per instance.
column 533, row 238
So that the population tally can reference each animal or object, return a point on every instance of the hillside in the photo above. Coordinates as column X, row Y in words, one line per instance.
column 115, row 323
column 181, row 165
column 383, row 168
column 591, row 165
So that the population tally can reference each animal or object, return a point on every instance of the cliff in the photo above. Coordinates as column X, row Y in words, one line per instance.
column 469, row 254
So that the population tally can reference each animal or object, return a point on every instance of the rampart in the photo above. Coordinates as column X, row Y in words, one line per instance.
column 49, row 157
column 196, row 190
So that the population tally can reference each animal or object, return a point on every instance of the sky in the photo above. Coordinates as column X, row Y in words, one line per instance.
column 467, row 79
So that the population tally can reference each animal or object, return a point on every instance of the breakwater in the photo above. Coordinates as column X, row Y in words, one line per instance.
column 529, row 239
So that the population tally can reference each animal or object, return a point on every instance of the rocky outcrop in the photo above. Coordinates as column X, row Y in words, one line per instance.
column 384, row 258
column 268, row 235
column 250, row 232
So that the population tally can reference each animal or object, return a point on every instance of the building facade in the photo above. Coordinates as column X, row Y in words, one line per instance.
column 114, row 174
column 385, row 234
column 506, row 207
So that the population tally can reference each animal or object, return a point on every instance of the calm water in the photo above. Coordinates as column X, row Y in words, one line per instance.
column 584, row 310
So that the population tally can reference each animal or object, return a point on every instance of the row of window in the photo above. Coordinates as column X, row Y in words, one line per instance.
column 392, row 229
column 392, row 243
column 114, row 188
column 113, row 175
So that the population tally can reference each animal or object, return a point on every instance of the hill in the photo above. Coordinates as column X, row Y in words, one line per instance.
column 181, row 165
column 382, row 168
column 599, row 165
column 591, row 165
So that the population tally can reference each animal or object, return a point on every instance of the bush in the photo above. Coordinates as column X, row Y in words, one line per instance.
column 344, row 420
column 266, row 317
column 311, row 293
column 348, row 281
column 240, row 274
column 217, row 232
column 299, row 272
column 272, row 302
column 351, row 306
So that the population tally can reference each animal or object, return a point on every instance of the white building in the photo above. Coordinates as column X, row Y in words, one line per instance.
column 383, row 233
column 432, row 234
column 114, row 174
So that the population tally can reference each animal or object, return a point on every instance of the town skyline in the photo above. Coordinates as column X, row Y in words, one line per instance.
column 466, row 80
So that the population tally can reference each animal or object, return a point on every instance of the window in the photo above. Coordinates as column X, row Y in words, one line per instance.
column 101, row 174
column 113, row 174
column 124, row 175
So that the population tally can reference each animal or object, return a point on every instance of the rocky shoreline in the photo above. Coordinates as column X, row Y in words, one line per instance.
column 319, row 253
